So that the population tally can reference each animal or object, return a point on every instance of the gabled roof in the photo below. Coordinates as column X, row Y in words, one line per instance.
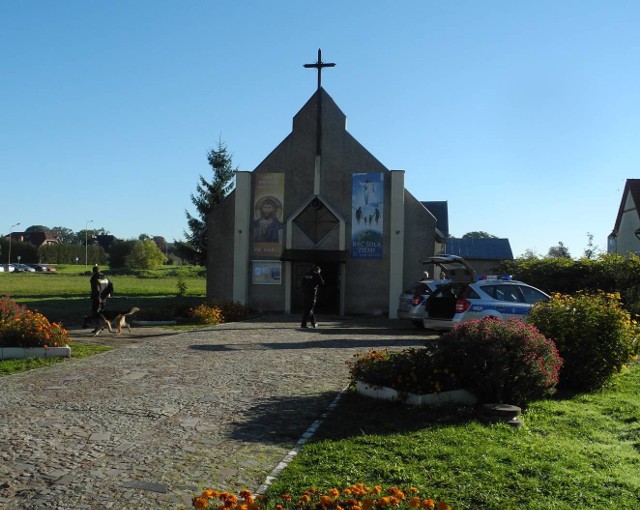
column 440, row 209
column 479, row 249
column 631, row 186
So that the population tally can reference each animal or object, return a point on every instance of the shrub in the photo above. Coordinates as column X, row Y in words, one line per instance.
column 593, row 333
column 410, row 370
column 232, row 311
column 20, row 327
column 205, row 314
column 502, row 361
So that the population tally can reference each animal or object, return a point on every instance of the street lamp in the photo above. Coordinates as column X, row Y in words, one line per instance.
column 10, row 236
column 86, row 246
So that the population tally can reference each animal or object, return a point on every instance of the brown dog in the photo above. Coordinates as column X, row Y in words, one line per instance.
column 110, row 319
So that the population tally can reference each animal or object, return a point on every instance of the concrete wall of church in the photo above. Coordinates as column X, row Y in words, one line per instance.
column 330, row 177
column 419, row 239
column 220, row 257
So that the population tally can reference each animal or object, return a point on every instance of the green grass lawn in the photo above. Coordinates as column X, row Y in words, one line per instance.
column 78, row 351
column 577, row 452
column 63, row 296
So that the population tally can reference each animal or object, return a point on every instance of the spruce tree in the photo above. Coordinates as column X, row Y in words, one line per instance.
column 207, row 198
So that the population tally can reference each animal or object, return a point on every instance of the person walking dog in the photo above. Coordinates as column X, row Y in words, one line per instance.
column 101, row 290
column 312, row 281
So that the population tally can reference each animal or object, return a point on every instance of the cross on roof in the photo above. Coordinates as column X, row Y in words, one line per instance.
column 319, row 65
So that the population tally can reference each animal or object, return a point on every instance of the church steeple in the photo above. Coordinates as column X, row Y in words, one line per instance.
column 319, row 65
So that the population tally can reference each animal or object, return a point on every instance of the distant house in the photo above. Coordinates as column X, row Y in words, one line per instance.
column 482, row 254
column 36, row 238
column 625, row 237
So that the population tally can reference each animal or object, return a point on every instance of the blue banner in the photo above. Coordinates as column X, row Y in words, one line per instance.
column 367, row 214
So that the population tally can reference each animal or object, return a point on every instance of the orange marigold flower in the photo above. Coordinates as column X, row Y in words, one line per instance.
column 287, row 497
column 325, row 501
column 367, row 504
column 442, row 505
column 334, row 493
column 414, row 502
column 305, row 498
column 279, row 507
column 376, row 490
column 428, row 504
column 208, row 493
column 200, row 503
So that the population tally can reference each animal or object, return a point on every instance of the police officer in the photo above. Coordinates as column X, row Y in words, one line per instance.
column 100, row 291
column 312, row 280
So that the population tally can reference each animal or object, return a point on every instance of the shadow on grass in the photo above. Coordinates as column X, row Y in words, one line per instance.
column 357, row 415
column 282, row 419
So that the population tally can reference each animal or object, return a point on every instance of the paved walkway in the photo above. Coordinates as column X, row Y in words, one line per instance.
column 152, row 422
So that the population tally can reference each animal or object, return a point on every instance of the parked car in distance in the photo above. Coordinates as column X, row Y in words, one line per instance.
column 8, row 268
column 411, row 301
column 43, row 268
column 468, row 298
column 23, row 268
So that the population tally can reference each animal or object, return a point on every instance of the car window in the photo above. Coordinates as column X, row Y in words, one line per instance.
column 509, row 293
column 512, row 294
column 532, row 295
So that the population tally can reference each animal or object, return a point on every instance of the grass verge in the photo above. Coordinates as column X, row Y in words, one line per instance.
column 581, row 451
column 78, row 351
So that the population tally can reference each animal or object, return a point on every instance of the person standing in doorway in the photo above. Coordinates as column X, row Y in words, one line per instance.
column 310, row 284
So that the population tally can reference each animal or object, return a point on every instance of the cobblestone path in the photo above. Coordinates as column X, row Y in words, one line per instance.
column 151, row 423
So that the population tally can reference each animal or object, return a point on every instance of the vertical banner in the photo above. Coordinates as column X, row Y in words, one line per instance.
column 267, row 227
column 367, row 202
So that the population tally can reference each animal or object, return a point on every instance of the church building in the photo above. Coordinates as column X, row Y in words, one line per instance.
column 319, row 198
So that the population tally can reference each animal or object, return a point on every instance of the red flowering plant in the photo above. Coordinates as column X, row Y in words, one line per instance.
column 419, row 371
column 502, row 361
column 20, row 327
column 355, row 497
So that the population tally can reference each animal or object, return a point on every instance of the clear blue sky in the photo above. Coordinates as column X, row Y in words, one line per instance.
column 524, row 116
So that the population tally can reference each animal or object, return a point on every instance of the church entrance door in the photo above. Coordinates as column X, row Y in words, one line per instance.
column 328, row 295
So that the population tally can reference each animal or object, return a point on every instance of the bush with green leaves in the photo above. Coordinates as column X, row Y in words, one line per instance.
column 502, row 361
column 594, row 334
column 145, row 254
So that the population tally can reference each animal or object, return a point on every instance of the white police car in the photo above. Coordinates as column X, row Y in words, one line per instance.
column 469, row 298
column 411, row 301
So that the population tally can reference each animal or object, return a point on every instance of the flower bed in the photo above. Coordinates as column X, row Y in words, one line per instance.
column 27, row 330
column 459, row 396
column 355, row 497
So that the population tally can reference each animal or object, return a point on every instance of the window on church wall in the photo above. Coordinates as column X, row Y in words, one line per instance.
column 316, row 221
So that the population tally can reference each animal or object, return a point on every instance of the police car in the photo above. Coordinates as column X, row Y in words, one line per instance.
column 411, row 301
column 469, row 298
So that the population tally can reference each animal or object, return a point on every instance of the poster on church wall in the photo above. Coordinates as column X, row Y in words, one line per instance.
column 267, row 227
column 266, row 272
column 367, row 213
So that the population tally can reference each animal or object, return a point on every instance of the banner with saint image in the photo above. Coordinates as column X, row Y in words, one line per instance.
column 267, row 227
column 367, row 209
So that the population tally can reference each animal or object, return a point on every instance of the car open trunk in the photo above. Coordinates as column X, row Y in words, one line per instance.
column 441, row 307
